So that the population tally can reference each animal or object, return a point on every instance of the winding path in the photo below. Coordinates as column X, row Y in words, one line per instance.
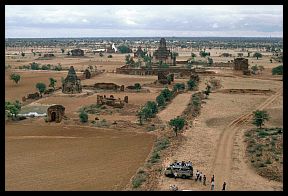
column 223, row 160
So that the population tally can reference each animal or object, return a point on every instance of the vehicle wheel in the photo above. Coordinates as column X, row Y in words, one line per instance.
column 183, row 176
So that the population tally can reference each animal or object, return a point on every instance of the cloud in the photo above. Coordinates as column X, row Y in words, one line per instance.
column 175, row 20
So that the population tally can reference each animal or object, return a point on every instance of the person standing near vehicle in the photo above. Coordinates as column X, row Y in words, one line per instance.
column 224, row 186
column 213, row 179
column 212, row 185
column 204, row 180
column 197, row 175
column 175, row 175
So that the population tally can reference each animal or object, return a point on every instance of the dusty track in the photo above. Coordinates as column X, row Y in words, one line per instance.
column 223, row 159
column 175, row 108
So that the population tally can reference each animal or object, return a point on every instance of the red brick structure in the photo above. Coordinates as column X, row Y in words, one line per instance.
column 55, row 113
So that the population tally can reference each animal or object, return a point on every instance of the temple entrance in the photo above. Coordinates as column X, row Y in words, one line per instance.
column 53, row 116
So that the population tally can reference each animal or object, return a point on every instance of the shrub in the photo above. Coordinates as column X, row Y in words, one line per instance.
column 109, row 56
column 278, row 70
column 262, row 133
column 58, row 67
column 161, row 144
column 166, row 93
column 160, row 100
column 83, row 117
column 191, row 84
column 34, row 66
column 155, row 157
column 137, row 86
column 151, row 105
column 179, row 86
column 45, row 67
column 138, row 180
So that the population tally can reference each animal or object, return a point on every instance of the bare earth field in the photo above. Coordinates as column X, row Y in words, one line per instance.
column 75, row 156
column 28, row 81
column 216, row 147
column 71, row 158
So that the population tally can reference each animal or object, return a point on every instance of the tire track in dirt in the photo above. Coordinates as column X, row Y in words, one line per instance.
column 222, row 164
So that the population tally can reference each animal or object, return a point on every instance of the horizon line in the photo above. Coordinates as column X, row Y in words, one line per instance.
column 147, row 37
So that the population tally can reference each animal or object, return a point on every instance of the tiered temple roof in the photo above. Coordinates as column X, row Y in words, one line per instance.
column 162, row 53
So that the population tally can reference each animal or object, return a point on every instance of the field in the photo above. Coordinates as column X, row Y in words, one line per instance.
column 72, row 155
column 71, row 158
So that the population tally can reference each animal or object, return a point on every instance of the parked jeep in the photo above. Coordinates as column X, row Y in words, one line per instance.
column 181, row 171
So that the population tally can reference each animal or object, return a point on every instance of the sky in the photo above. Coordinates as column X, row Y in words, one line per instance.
column 61, row 21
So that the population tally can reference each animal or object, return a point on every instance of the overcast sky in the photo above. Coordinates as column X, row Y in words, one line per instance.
column 143, row 21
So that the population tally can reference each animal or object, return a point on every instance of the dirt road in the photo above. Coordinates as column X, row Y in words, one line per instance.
column 176, row 107
column 223, row 161
column 215, row 145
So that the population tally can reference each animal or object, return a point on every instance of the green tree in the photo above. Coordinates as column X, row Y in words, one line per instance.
column 137, row 86
column 254, row 69
column 52, row 83
column 257, row 55
column 260, row 116
column 179, row 86
column 109, row 56
column 34, row 66
column 13, row 108
column 169, row 78
column 22, row 54
column 145, row 113
column 15, row 77
column 191, row 84
column 166, row 93
column 41, row 87
column 204, row 54
column 152, row 105
column 124, row 49
column 277, row 70
column 83, row 116
column 160, row 100
column 177, row 124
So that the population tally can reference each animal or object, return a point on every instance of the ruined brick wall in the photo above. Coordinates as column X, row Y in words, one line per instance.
column 55, row 113
column 241, row 64
column 107, row 86
column 77, row 52
column 111, row 101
